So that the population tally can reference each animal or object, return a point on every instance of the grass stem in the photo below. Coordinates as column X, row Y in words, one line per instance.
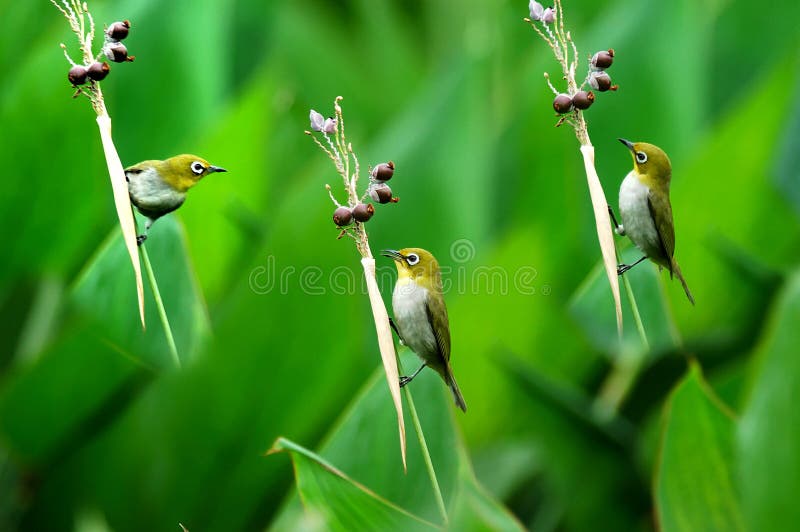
column 162, row 312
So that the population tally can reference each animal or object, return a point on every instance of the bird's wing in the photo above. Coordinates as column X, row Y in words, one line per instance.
column 661, row 211
column 437, row 318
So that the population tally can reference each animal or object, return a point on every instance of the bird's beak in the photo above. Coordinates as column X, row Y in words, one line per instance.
column 627, row 143
column 392, row 254
column 212, row 169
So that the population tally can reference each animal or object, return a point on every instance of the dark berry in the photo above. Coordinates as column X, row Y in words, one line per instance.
column 583, row 100
column 77, row 75
column 363, row 212
column 562, row 104
column 98, row 71
column 602, row 59
column 381, row 193
column 118, row 30
column 342, row 216
column 383, row 172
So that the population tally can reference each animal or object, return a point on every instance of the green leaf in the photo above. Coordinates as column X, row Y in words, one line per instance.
column 769, row 431
column 103, row 294
column 695, row 480
column 338, row 501
column 363, row 445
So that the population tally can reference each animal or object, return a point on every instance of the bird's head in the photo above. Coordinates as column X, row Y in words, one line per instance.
column 415, row 264
column 183, row 172
column 650, row 162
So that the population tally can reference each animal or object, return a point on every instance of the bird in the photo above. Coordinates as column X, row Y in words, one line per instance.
column 157, row 188
column 420, row 315
column 646, row 210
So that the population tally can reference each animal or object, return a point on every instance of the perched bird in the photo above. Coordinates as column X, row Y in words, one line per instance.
column 646, row 210
column 420, row 315
column 159, row 187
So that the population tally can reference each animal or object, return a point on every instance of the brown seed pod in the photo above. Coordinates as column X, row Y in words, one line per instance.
column 342, row 216
column 600, row 81
column 583, row 100
column 363, row 212
column 119, row 30
column 562, row 104
column 602, row 59
column 381, row 193
column 383, row 172
column 98, row 71
column 77, row 75
column 118, row 53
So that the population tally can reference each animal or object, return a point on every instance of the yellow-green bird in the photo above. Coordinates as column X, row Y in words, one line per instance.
column 646, row 210
column 159, row 187
column 420, row 314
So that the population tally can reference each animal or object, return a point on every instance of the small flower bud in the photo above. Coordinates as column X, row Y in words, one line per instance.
column 98, row 71
column 383, row 172
column 536, row 9
column 363, row 212
column 381, row 193
column 118, row 30
column 342, row 216
column 317, row 120
column 549, row 16
column 77, row 75
column 602, row 59
column 583, row 100
column 600, row 81
column 562, row 104
column 117, row 52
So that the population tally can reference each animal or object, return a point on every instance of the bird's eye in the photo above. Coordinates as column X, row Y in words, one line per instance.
column 412, row 259
column 641, row 157
column 197, row 167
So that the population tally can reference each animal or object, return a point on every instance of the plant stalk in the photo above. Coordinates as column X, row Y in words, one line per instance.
column 162, row 312
column 426, row 455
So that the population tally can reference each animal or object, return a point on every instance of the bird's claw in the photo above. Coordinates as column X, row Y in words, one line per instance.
column 622, row 268
column 140, row 239
column 404, row 380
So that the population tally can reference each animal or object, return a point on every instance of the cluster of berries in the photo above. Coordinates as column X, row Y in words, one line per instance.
column 598, row 79
column 113, row 50
column 378, row 190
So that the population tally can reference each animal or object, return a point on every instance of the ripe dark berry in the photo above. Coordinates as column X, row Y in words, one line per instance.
column 602, row 59
column 600, row 81
column 562, row 104
column 583, row 100
column 363, row 212
column 98, row 71
column 117, row 52
column 118, row 30
column 381, row 193
column 383, row 172
column 342, row 216
column 77, row 75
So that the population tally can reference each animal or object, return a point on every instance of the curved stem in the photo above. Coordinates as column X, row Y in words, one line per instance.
column 426, row 455
column 162, row 312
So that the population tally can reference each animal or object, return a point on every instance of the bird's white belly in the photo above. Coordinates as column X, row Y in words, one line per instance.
column 411, row 318
column 637, row 221
column 149, row 192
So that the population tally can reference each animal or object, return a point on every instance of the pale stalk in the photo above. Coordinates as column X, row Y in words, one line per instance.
column 386, row 346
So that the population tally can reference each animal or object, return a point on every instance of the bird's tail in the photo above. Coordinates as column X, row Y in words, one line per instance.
column 459, row 399
column 677, row 271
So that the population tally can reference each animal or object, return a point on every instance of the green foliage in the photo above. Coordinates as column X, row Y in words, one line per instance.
column 97, row 429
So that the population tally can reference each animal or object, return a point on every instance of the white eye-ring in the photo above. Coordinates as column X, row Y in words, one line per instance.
column 412, row 259
column 197, row 167
column 641, row 157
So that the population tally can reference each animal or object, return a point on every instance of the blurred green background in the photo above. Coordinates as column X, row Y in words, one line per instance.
column 566, row 428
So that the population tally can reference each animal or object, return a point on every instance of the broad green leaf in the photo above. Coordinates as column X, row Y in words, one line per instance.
column 695, row 485
column 769, row 431
column 334, row 501
column 71, row 391
column 362, row 445
column 102, row 294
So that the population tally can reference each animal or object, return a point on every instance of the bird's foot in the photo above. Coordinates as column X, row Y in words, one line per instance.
column 405, row 380
column 140, row 239
column 622, row 268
